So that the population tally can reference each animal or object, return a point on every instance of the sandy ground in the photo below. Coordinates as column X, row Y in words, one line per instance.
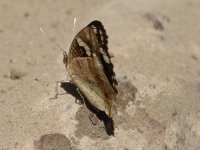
column 156, row 53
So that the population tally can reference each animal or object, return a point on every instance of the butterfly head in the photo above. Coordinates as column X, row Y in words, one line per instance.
column 65, row 58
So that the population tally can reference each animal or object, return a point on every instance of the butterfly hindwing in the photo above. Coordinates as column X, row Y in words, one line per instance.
column 93, row 83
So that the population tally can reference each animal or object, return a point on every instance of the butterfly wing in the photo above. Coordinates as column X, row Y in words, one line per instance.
column 93, row 39
column 87, row 74
column 90, row 68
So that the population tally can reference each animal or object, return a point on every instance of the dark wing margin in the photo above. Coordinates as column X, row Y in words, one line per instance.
column 103, row 42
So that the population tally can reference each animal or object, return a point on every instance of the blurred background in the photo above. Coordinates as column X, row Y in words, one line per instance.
column 155, row 46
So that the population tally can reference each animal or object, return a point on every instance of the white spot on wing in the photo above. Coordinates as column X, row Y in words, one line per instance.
column 78, row 41
column 101, row 50
column 100, row 32
column 105, row 56
column 102, row 38
column 88, row 52
column 101, row 35
column 97, row 60
column 83, row 44
column 95, row 30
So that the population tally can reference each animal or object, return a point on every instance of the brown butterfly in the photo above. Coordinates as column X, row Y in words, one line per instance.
column 90, row 68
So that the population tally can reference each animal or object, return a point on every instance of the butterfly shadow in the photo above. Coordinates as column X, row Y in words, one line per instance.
column 70, row 88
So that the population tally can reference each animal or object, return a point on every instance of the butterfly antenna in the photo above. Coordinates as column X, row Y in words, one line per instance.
column 57, row 45
column 73, row 28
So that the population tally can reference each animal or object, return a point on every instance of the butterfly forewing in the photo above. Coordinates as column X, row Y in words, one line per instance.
column 90, row 68
column 84, row 44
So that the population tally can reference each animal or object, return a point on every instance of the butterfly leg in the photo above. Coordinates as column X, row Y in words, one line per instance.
column 56, row 95
column 80, row 101
column 93, row 118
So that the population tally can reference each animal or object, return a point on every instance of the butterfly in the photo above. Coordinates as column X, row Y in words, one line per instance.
column 89, row 67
